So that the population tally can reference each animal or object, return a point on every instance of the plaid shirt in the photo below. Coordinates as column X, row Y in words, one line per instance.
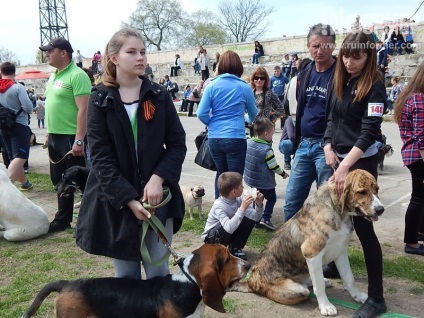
column 411, row 126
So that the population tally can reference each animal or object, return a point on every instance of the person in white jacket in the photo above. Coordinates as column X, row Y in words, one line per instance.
column 204, row 64
column 231, row 218
column 178, row 65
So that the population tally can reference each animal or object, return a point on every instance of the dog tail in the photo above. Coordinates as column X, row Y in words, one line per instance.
column 56, row 286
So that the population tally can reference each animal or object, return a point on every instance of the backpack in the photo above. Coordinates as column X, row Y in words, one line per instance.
column 8, row 118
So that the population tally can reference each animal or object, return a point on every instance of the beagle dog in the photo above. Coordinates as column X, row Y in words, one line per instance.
column 203, row 279
column 318, row 234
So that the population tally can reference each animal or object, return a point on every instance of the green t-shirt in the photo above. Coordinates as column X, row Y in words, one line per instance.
column 61, row 89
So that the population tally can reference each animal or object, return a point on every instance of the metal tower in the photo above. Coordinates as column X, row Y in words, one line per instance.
column 53, row 22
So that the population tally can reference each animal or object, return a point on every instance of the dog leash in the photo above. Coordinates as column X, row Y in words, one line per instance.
column 353, row 306
column 63, row 158
column 160, row 231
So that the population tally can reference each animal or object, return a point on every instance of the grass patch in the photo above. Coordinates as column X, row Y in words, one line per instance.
column 25, row 267
column 41, row 181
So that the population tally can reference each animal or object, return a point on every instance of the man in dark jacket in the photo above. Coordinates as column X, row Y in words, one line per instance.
column 314, row 89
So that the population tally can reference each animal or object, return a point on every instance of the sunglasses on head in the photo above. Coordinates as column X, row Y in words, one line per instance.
column 257, row 78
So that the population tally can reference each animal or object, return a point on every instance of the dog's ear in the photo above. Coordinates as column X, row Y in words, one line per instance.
column 191, row 189
column 212, row 291
column 345, row 194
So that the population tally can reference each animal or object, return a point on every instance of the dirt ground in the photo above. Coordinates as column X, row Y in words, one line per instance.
column 402, row 297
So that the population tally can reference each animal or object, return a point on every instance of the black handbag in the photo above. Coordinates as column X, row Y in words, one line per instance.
column 8, row 118
column 203, row 157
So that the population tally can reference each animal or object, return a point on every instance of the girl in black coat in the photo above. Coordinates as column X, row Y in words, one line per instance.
column 137, row 146
column 350, row 138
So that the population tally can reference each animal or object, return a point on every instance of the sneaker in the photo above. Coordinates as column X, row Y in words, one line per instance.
column 238, row 252
column 268, row 224
column 287, row 166
column 257, row 226
column 26, row 186
column 370, row 309
column 414, row 250
column 56, row 226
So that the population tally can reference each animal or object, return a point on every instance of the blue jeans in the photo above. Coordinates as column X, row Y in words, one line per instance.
column 229, row 155
column 308, row 166
column 271, row 198
column 132, row 269
column 286, row 147
column 255, row 59
column 389, row 104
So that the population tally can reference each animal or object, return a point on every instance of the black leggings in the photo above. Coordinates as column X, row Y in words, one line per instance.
column 414, row 217
column 58, row 146
column 369, row 241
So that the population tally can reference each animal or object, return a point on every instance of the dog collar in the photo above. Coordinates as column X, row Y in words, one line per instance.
column 181, row 265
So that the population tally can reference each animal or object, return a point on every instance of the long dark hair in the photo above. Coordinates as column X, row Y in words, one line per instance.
column 415, row 85
column 353, row 45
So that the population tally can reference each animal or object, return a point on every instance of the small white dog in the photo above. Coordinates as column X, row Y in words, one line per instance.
column 20, row 218
column 193, row 198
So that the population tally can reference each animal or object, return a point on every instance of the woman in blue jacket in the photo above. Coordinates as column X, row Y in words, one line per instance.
column 222, row 107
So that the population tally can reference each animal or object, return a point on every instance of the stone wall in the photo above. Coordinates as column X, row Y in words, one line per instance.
column 274, row 51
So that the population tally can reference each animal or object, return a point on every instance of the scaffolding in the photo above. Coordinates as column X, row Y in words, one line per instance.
column 53, row 22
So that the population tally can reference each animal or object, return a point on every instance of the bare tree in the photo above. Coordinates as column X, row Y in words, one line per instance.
column 8, row 56
column 244, row 19
column 201, row 28
column 158, row 20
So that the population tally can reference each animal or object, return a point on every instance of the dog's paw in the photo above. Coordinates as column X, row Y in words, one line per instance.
column 328, row 309
column 360, row 297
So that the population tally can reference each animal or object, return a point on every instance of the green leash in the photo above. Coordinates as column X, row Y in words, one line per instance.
column 160, row 231
column 356, row 306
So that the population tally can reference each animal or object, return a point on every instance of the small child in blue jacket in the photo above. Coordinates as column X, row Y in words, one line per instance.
column 261, row 167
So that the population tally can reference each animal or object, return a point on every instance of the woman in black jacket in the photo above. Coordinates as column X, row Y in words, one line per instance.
column 137, row 146
column 353, row 126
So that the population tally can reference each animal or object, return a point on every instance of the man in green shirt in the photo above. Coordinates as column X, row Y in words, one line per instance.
column 67, row 93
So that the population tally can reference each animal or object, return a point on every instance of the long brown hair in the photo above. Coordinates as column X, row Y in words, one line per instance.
column 113, row 47
column 353, row 45
column 260, row 71
column 415, row 85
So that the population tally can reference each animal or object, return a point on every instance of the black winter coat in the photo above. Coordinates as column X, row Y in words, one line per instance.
column 106, row 226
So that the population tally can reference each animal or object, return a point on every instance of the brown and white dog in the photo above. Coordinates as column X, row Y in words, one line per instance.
column 193, row 198
column 20, row 218
column 318, row 234
column 202, row 280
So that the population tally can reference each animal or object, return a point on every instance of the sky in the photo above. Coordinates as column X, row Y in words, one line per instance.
column 91, row 23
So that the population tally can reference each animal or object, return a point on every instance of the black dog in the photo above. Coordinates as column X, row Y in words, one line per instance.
column 73, row 179
column 384, row 151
